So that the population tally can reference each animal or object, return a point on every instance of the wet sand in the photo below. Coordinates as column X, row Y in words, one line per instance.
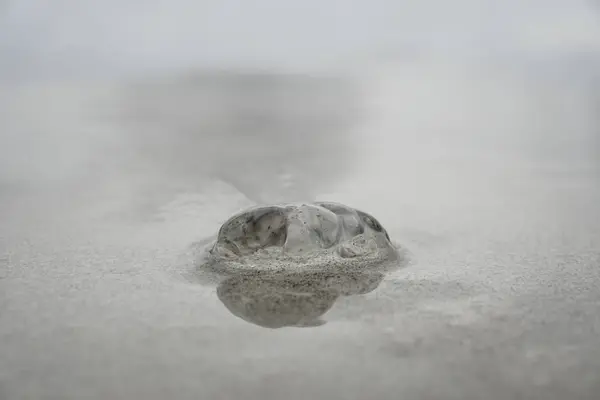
column 502, row 300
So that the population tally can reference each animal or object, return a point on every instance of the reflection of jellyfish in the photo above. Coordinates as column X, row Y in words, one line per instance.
column 291, row 299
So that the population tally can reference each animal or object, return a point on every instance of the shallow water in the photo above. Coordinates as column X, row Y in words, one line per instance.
column 470, row 172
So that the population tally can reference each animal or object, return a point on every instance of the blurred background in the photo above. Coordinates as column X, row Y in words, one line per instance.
column 90, row 89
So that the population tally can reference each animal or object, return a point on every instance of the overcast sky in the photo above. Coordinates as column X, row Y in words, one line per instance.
column 79, row 37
